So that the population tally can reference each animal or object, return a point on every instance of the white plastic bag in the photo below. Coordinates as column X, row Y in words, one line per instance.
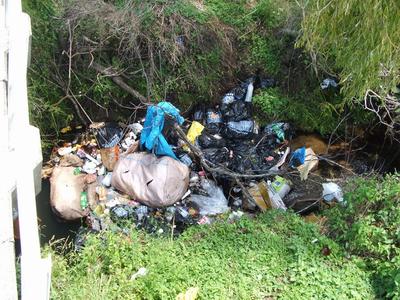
column 213, row 204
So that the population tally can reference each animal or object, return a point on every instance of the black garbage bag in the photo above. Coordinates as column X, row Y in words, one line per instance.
column 214, row 121
column 81, row 238
column 216, row 155
column 109, row 135
column 242, row 156
column 236, row 111
column 240, row 92
column 199, row 114
column 207, row 140
column 267, row 83
column 186, row 159
column 121, row 212
column 239, row 130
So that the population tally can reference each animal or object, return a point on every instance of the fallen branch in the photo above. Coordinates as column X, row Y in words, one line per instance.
column 336, row 164
column 110, row 72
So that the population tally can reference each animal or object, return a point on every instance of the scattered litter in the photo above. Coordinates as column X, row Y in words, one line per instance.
column 107, row 180
column 109, row 135
column 328, row 83
column 204, row 221
column 64, row 151
column 89, row 167
column 213, row 121
column 140, row 273
column 281, row 186
column 332, row 192
column 277, row 132
column 310, row 163
column 241, row 129
column 235, row 215
column 194, row 131
column 121, row 211
column 107, row 174
column 190, row 294
column 298, row 157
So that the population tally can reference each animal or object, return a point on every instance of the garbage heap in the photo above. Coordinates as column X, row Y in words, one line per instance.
column 164, row 173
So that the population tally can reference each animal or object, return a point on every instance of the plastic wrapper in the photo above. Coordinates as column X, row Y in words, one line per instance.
column 329, row 83
column 119, row 212
column 332, row 192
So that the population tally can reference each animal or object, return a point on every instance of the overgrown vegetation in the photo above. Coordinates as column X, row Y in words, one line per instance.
column 276, row 255
column 358, row 42
column 368, row 227
column 186, row 51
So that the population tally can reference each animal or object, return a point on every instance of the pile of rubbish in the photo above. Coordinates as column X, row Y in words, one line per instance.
column 165, row 173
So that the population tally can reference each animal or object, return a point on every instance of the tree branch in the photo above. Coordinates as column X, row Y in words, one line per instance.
column 110, row 72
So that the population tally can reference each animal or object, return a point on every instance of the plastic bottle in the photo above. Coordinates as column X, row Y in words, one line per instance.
column 84, row 200
column 249, row 93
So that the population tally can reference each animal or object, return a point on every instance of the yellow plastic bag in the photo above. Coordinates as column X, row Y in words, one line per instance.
column 194, row 131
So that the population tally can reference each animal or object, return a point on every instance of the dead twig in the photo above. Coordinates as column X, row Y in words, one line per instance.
column 336, row 164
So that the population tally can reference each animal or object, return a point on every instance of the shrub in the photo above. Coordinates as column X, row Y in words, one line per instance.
column 368, row 227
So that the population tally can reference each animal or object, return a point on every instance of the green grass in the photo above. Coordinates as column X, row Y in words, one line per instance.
column 275, row 255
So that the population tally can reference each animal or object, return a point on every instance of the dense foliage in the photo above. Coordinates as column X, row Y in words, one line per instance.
column 358, row 41
column 368, row 227
column 276, row 255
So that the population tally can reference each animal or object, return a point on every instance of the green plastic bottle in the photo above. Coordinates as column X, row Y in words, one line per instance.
column 84, row 200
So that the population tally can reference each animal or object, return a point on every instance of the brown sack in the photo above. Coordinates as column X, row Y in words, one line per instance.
column 65, row 193
column 153, row 181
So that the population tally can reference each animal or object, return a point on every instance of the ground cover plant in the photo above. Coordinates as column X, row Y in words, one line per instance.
column 275, row 255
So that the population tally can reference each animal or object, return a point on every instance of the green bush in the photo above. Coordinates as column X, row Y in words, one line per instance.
column 368, row 227
column 274, row 255
column 311, row 113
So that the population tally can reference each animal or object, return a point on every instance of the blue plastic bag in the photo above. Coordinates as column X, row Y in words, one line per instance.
column 151, row 137
column 298, row 157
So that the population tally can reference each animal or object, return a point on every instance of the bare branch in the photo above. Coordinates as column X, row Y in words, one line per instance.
column 110, row 72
